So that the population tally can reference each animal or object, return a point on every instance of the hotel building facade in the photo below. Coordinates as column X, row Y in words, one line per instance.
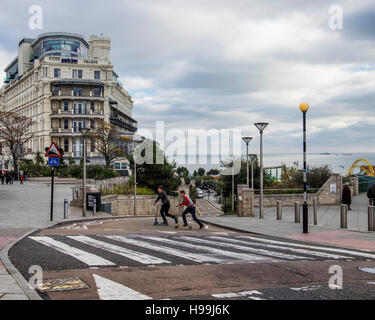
column 65, row 83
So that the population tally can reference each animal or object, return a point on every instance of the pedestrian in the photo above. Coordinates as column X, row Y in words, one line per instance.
column 7, row 177
column 190, row 209
column 12, row 174
column 22, row 178
column 164, row 211
column 347, row 195
column 2, row 177
column 371, row 195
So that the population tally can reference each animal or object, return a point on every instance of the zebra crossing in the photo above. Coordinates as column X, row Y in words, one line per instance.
column 147, row 250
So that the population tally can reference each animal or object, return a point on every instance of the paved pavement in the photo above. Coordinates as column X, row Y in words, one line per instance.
column 24, row 208
column 326, row 232
column 132, row 259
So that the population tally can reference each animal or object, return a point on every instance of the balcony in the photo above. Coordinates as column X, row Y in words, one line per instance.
column 59, row 114
column 63, row 96
column 120, row 122
column 60, row 132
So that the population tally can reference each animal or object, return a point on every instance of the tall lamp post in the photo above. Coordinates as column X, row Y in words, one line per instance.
column 253, row 157
column 84, row 132
column 304, row 107
column 261, row 126
column 247, row 140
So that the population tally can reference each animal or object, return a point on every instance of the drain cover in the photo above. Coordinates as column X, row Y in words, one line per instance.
column 368, row 270
column 68, row 284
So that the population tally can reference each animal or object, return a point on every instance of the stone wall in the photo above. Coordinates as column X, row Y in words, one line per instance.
column 247, row 201
column 123, row 205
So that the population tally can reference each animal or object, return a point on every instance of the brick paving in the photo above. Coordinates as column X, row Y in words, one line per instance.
column 327, row 233
column 341, row 238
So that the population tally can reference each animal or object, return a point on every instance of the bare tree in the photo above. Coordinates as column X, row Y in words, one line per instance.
column 107, row 141
column 15, row 133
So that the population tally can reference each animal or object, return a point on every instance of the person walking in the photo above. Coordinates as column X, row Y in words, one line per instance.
column 2, row 177
column 347, row 195
column 190, row 209
column 164, row 211
column 371, row 195
column 22, row 179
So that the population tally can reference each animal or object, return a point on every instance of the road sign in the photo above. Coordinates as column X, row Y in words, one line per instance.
column 53, row 162
column 53, row 151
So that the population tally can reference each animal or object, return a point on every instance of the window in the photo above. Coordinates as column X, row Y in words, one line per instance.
column 66, row 106
column 66, row 145
column 92, row 106
column 97, row 92
column 92, row 145
column 97, row 75
column 77, row 74
column 57, row 73
column 66, row 124
column 45, row 71
column 92, row 124
column 55, row 90
column 59, row 123
column 77, row 92
column 80, row 108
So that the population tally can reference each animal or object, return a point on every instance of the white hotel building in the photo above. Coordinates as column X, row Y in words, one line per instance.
column 65, row 83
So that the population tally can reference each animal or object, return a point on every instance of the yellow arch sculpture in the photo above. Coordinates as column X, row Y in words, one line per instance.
column 369, row 169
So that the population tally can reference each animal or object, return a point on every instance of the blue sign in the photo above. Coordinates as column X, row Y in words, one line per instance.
column 53, row 162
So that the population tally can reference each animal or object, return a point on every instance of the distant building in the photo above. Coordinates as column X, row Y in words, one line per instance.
column 65, row 83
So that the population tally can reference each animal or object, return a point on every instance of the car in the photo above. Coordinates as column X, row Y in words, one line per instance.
column 200, row 194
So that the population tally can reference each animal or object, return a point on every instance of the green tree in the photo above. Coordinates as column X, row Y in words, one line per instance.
column 39, row 160
column 213, row 172
column 182, row 172
column 201, row 172
column 154, row 175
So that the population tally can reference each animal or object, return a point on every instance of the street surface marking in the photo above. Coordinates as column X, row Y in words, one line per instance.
column 83, row 256
column 354, row 253
column 233, row 246
column 175, row 252
column 229, row 295
column 368, row 270
column 240, row 256
column 127, row 253
column 295, row 250
column 304, row 289
column 111, row 290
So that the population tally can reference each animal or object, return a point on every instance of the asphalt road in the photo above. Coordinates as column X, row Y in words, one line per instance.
column 132, row 259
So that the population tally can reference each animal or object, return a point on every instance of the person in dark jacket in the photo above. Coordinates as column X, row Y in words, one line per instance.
column 164, row 211
column 371, row 195
column 347, row 195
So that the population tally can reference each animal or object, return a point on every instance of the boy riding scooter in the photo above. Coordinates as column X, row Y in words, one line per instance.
column 164, row 211
column 190, row 209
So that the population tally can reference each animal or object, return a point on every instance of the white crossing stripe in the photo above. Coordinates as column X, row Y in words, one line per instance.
column 171, row 251
column 336, row 250
column 238, row 247
column 111, row 290
column 83, row 256
column 230, row 295
column 127, row 253
column 239, row 256
column 295, row 250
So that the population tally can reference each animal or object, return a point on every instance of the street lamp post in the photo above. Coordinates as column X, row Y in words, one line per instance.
column 304, row 107
column 84, row 132
column 253, row 157
column 135, row 186
column 261, row 126
column 247, row 141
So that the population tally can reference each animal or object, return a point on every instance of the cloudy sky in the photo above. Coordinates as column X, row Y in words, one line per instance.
column 216, row 64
